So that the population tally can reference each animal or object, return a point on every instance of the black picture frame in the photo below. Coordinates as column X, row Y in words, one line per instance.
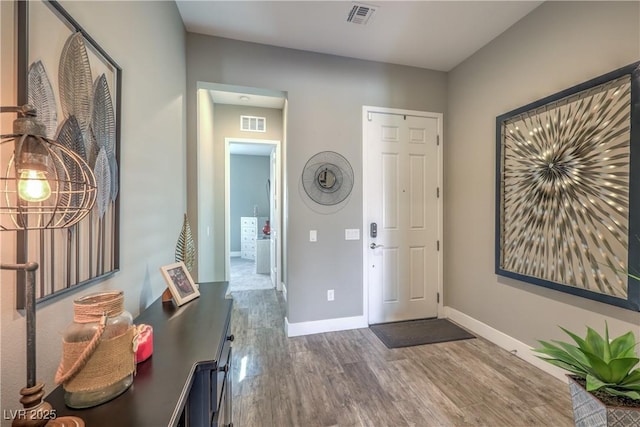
column 93, row 252
column 521, row 179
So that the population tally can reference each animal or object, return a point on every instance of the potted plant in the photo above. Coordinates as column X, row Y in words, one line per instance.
column 604, row 380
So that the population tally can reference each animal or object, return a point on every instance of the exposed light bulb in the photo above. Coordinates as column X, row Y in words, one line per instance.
column 33, row 186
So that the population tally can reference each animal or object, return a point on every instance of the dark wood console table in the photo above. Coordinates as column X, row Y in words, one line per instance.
column 187, row 380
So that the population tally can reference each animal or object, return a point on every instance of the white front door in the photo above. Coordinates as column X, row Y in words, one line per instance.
column 402, row 189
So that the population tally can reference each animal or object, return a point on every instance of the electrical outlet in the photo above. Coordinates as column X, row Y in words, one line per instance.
column 330, row 295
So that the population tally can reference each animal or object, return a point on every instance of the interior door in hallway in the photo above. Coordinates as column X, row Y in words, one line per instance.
column 402, row 156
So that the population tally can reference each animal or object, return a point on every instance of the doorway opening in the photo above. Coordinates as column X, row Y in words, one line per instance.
column 252, row 214
column 228, row 116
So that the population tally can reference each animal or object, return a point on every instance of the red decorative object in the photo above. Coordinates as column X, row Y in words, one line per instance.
column 145, row 343
column 267, row 228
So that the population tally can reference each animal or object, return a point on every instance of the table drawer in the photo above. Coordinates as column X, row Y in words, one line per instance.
column 222, row 378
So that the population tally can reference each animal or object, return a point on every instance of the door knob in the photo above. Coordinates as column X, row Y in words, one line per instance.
column 373, row 246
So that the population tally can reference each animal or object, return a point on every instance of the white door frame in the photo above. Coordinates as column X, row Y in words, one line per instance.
column 365, row 226
column 277, row 221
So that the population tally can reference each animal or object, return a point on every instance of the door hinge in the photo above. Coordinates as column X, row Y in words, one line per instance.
column 437, row 139
column 369, row 116
column 438, row 192
column 438, row 245
column 438, row 297
column 405, row 117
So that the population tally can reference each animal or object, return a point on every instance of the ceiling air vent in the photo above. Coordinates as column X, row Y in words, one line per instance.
column 253, row 124
column 360, row 13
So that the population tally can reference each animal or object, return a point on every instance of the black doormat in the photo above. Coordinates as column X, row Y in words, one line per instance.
column 418, row 332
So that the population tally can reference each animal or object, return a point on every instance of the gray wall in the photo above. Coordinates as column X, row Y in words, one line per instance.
column 248, row 182
column 558, row 45
column 326, row 94
column 227, row 122
column 147, row 39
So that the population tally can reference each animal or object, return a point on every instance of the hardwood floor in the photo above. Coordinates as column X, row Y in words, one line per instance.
column 350, row 378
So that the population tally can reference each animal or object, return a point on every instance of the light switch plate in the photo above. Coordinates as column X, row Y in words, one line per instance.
column 352, row 234
column 313, row 235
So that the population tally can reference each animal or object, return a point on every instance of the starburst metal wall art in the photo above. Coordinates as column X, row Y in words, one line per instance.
column 567, row 190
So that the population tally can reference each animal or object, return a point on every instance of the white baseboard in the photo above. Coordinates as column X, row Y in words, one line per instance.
column 320, row 326
column 512, row 345
column 234, row 254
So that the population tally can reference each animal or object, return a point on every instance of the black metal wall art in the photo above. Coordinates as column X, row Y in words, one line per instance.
column 76, row 88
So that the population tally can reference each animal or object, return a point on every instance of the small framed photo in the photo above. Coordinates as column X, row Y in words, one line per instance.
column 180, row 283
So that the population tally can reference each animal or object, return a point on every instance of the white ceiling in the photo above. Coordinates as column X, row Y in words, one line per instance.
column 437, row 35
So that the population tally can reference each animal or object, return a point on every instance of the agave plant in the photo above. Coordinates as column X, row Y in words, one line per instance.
column 604, row 364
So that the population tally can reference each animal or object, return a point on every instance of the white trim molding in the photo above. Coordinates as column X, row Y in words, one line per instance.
column 320, row 326
column 512, row 345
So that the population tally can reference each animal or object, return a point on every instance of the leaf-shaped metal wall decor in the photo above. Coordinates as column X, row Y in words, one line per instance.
column 91, row 148
column 70, row 136
column 61, row 83
column 103, row 182
column 103, row 125
column 40, row 95
column 74, row 79
column 186, row 248
column 103, row 120
column 113, row 168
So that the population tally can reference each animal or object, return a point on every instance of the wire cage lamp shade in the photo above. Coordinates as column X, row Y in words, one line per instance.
column 45, row 185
